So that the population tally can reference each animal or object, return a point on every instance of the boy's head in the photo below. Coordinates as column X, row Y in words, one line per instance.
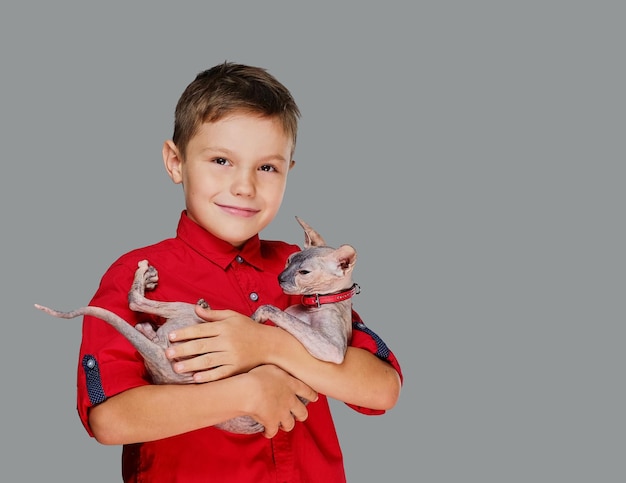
column 228, row 88
column 234, row 138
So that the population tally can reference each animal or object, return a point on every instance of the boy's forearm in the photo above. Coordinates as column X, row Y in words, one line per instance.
column 361, row 379
column 153, row 412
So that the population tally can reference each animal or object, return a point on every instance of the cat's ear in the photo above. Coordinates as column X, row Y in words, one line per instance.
column 311, row 237
column 346, row 257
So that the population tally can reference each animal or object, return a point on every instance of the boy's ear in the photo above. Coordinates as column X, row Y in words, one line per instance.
column 173, row 161
column 292, row 163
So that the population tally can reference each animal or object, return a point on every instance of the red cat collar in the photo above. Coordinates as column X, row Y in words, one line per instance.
column 316, row 300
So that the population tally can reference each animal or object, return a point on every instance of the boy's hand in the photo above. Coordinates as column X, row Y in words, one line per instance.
column 230, row 344
column 274, row 399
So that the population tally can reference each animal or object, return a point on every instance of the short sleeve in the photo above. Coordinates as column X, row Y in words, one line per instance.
column 108, row 363
column 365, row 338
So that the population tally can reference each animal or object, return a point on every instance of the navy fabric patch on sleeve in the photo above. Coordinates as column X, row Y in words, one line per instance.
column 92, row 375
column 382, row 351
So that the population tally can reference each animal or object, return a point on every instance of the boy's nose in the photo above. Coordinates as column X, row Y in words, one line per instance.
column 243, row 184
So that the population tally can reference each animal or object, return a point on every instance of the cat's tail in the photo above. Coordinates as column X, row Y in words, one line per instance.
column 158, row 365
column 98, row 312
column 138, row 340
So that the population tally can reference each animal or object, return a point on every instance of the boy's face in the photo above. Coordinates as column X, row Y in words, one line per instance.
column 234, row 174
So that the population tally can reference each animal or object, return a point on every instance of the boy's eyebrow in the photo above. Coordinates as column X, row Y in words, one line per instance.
column 216, row 150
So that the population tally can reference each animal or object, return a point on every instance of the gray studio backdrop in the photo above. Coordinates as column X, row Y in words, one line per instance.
column 472, row 152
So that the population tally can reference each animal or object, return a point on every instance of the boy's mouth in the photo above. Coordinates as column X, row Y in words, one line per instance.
column 239, row 211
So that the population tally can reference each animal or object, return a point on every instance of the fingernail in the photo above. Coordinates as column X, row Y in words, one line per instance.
column 179, row 367
column 172, row 335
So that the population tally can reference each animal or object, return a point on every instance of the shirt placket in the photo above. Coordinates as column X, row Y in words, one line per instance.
column 249, row 283
column 283, row 458
column 253, row 292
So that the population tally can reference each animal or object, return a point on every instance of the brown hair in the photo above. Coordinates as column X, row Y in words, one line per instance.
column 229, row 87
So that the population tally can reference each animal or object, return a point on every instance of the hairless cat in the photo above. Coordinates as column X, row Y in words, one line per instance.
column 322, row 321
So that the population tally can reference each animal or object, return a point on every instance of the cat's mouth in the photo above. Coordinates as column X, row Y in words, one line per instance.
column 290, row 289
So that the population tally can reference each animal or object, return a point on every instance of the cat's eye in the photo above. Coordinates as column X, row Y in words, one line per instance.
column 303, row 272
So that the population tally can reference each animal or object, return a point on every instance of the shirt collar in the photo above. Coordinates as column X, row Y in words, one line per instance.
column 215, row 249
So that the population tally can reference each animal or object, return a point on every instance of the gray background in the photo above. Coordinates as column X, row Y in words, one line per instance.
column 472, row 152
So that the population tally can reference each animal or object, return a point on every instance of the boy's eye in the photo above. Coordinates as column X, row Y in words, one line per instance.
column 221, row 161
column 267, row 167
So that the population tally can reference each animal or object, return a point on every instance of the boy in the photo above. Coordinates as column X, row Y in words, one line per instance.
column 234, row 137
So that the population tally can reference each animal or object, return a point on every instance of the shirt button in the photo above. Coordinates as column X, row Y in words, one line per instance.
column 239, row 259
column 254, row 296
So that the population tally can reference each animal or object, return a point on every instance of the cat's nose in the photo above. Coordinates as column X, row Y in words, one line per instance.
column 281, row 278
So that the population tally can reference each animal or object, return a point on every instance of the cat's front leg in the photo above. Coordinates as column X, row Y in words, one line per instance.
column 319, row 345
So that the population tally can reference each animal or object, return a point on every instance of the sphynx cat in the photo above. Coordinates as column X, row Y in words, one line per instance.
column 322, row 321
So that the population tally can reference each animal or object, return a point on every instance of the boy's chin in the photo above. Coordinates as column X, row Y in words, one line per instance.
column 232, row 229
column 235, row 237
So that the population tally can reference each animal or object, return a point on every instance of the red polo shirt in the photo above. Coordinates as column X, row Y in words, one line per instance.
column 191, row 266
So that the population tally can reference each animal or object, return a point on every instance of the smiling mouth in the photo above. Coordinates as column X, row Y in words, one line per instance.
column 237, row 211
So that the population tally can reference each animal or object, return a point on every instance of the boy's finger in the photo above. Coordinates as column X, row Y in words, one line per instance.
column 288, row 423
column 212, row 315
column 308, row 394
column 191, row 348
column 197, row 331
column 214, row 374
column 300, row 413
column 270, row 432
column 205, row 313
column 201, row 362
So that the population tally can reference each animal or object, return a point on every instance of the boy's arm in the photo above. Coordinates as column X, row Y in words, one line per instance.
column 362, row 379
column 117, row 404
column 146, row 413
column 232, row 343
